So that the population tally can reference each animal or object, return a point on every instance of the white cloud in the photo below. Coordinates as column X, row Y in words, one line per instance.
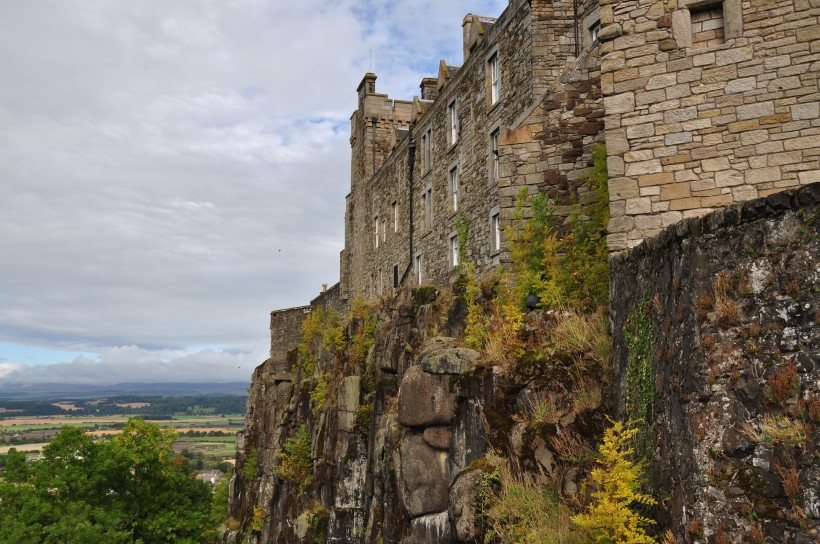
column 130, row 364
column 172, row 171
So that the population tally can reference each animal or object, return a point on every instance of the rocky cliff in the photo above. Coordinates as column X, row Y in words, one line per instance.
column 387, row 428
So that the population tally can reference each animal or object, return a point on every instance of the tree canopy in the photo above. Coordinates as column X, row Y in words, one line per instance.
column 131, row 489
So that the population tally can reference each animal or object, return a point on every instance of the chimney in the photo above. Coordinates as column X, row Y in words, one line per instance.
column 428, row 88
column 467, row 26
column 366, row 87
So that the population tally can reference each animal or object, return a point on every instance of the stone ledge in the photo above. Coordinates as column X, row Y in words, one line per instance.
column 735, row 214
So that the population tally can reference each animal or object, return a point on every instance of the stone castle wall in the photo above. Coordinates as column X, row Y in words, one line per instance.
column 692, row 126
column 285, row 335
column 548, row 118
column 732, row 301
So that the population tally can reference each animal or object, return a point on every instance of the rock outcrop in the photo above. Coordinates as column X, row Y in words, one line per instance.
column 722, row 311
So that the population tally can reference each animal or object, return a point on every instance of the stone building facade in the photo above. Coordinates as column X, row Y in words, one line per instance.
column 701, row 104
column 522, row 110
column 707, row 104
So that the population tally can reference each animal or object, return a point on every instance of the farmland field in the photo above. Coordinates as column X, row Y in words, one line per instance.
column 207, row 440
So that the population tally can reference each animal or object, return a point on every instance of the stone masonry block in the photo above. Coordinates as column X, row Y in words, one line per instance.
column 638, row 206
column 728, row 178
column 683, row 114
column 809, row 110
column 752, row 111
column 661, row 178
column 759, row 175
column 675, row 191
column 643, row 167
column 622, row 188
column 621, row 103
column 714, row 165
column 741, row 85
column 684, row 204
column 661, row 81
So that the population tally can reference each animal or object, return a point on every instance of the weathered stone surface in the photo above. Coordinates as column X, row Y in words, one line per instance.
column 425, row 399
column 450, row 361
column 422, row 476
column 430, row 528
column 736, row 442
column 462, row 505
column 713, row 370
column 348, row 399
column 438, row 437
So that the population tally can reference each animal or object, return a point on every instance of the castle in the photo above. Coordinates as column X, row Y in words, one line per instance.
column 700, row 103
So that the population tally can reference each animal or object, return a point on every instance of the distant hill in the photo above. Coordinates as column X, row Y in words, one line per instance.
column 50, row 391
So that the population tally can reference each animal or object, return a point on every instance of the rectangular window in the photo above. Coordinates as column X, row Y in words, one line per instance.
column 495, row 78
column 395, row 276
column 452, row 119
column 453, row 175
column 494, row 154
column 427, row 208
column 454, row 250
column 376, row 229
column 419, row 270
column 380, row 284
column 427, row 151
column 495, row 232
column 593, row 32
column 395, row 208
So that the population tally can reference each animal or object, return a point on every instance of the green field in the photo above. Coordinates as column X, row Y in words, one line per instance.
column 30, row 434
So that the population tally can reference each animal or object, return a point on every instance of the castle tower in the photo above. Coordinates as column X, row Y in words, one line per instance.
column 373, row 129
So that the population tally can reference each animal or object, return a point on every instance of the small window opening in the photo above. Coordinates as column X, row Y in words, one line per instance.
column 593, row 32
column 454, row 187
column 707, row 26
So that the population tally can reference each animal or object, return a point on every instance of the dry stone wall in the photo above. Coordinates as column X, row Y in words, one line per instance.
column 732, row 304
column 692, row 127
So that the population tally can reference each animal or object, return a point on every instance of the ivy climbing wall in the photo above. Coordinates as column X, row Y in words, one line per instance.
column 716, row 326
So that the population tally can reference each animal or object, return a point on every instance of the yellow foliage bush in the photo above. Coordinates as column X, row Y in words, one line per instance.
column 612, row 517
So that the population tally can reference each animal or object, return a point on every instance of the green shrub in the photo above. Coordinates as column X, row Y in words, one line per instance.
column 296, row 463
column 564, row 266
column 518, row 510
column 250, row 470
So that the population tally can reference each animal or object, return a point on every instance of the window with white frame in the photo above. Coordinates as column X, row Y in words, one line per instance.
column 495, row 232
column 452, row 122
column 495, row 78
column 427, row 151
column 453, row 179
column 395, row 213
column 376, row 229
column 419, row 269
column 494, row 135
column 454, row 250
column 384, row 230
column 594, row 29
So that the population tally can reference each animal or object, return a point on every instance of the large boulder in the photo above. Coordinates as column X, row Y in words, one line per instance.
column 425, row 400
column 450, row 361
column 422, row 475
column 438, row 437
column 462, row 505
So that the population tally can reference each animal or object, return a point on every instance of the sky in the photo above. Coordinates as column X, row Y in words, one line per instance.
column 170, row 172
